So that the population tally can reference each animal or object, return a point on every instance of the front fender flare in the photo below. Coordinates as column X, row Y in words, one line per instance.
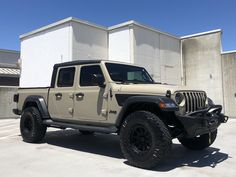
column 146, row 99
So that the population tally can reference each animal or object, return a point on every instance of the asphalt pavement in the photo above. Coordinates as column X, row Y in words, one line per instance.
column 67, row 153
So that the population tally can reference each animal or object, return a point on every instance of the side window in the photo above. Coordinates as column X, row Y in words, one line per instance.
column 66, row 77
column 89, row 75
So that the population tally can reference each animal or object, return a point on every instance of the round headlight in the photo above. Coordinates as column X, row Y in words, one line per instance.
column 179, row 97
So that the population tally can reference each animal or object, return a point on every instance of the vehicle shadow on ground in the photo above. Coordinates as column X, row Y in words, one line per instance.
column 182, row 157
column 108, row 145
column 102, row 144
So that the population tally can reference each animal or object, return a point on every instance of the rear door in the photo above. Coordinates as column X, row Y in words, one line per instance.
column 61, row 105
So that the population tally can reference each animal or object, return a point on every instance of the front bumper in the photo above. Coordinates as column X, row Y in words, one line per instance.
column 202, row 121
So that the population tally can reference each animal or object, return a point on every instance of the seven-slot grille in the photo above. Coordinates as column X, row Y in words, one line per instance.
column 194, row 101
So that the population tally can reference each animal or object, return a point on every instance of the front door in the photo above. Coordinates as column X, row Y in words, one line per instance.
column 61, row 97
column 90, row 104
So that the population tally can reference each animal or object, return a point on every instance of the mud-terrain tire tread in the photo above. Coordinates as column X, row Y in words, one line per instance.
column 199, row 143
column 38, row 128
column 161, row 139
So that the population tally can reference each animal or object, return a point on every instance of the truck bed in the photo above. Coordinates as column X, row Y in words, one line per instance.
column 25, row 92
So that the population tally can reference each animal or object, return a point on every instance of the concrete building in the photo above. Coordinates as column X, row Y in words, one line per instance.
column 157, row 51
column 195, row 60
column 206, row 67
column 202, row 63
column 74, row 39
column 9, row 81
column 229, row 82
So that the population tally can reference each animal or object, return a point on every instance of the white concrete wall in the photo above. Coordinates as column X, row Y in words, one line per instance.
column 40, row 51
column 120, row 45
column 229, row 83
column 89, row 42
column 170, row 55
column 159, row 54
column 6, row 102
column 202, row 64
column 147, row 51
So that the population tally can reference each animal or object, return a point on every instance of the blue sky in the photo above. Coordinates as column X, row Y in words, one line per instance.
column 182, row 17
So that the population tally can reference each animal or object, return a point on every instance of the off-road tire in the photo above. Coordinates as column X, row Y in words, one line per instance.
column 31, row 126
column 85, row 132
column 147, row 149
column 199, row 143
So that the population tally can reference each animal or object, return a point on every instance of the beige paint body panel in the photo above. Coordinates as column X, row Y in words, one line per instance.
column 148, row 88
column 92, row 106
column 24, row 93
column 61, row 107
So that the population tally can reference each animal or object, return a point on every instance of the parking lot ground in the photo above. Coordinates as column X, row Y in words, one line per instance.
column 67, row 153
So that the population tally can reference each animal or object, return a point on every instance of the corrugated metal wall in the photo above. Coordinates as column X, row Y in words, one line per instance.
column 6, row 102
column 229, row 83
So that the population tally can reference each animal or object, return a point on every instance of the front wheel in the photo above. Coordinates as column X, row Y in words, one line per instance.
column 200, row 142
column 31, row 126
column 144, row 139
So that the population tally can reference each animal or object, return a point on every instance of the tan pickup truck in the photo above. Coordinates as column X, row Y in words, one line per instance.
column 111, row 97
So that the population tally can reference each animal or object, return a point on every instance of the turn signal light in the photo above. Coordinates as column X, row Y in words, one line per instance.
column 162, row 105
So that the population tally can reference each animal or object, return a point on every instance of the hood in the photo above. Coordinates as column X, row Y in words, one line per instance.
column 149, row 88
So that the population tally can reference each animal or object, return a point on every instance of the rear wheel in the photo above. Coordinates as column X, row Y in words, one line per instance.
column 144, row 139
column 200, row 142
column 31, row 126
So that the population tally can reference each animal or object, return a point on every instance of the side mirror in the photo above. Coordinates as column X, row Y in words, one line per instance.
column 99, row 79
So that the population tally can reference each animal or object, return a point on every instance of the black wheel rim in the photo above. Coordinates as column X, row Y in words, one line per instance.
column 28, row 125
column 140, row 139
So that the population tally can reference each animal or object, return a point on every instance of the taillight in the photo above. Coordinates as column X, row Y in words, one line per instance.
column 16, row 98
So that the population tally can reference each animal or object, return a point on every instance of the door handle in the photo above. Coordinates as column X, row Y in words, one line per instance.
column 79, row 95
column 58, row 95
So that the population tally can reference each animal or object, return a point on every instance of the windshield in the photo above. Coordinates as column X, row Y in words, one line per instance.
column 128, row 74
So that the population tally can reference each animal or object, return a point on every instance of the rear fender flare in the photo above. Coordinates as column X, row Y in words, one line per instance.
column 41, row 105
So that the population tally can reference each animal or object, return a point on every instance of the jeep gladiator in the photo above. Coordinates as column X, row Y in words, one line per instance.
column 111, row 97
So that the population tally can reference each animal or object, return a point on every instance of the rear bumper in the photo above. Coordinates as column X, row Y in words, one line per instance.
column 16, row 111
column 203, row 121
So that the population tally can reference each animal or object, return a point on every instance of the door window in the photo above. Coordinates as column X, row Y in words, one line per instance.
column 90, row 74
column 66, row 77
